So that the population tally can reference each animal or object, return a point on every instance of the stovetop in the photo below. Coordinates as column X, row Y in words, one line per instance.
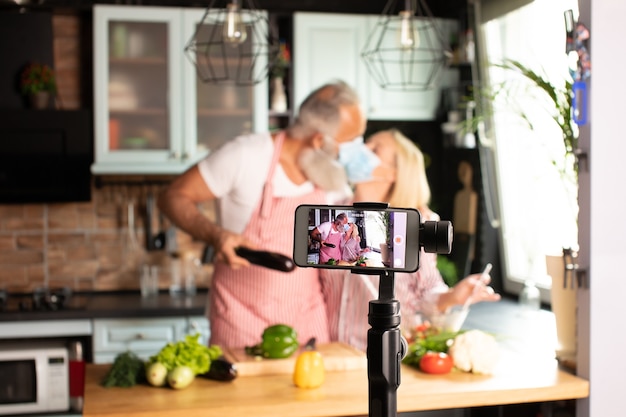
column 40, row 300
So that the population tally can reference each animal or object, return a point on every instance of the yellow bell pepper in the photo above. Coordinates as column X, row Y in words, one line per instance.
column 309, row 370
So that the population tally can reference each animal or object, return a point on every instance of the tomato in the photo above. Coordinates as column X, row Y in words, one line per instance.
column 436, row 363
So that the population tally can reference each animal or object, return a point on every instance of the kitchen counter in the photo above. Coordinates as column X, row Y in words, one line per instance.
column 344, row 393
column 526, row 372
column 117, row 305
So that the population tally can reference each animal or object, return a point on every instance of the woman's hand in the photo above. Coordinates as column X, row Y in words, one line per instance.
column 473, row 287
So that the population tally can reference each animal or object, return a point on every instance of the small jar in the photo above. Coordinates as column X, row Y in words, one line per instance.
column 529, row 297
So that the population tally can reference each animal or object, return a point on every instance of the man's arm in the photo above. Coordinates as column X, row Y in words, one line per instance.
column 179, row 202
column 315, row 235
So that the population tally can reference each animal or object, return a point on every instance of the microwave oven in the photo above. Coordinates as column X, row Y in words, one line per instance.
column 34, row 378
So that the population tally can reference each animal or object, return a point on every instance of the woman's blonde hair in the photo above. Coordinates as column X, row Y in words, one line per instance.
column 410, row 188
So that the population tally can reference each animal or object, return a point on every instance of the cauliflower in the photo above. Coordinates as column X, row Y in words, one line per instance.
column 475, row 351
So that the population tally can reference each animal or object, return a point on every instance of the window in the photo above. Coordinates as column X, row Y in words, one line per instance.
column 537, row 205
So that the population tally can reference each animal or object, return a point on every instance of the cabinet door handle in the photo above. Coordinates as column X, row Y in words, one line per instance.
column 173, row 155
column 185, row 156
column 194, row 325
column 140, row 336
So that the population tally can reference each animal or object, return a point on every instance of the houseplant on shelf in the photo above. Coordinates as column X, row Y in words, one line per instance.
column 278, row 72
column 37, row 81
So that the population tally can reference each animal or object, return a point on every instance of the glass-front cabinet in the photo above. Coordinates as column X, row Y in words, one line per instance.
column 153, row 115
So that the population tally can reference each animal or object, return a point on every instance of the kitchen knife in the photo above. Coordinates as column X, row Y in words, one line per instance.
column 271, row 260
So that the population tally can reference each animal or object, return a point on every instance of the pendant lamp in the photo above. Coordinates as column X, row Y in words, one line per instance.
column 406, row 50
column 233, row 45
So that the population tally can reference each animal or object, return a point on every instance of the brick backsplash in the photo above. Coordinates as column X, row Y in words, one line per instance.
column 67, row 59
column 85, row 246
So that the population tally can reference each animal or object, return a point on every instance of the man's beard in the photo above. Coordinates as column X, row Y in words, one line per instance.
column 322, row 168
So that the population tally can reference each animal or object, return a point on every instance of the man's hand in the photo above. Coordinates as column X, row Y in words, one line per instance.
column 225, row 244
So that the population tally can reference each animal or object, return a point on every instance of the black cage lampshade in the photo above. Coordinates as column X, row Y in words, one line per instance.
column 233, row 44
column 406, row 50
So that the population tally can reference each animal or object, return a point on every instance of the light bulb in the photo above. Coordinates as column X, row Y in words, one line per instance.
column 408, row 35
column 234, row 28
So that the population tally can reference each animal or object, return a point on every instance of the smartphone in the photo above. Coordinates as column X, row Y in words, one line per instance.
column 374, row 237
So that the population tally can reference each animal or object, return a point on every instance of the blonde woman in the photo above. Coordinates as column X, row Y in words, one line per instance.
column 347, row 297
column 351, row 244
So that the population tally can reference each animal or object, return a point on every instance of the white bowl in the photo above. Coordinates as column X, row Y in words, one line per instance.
column 450, row 321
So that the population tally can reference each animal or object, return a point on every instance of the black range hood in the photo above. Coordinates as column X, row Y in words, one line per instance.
column 45, row 156
column 439, row 8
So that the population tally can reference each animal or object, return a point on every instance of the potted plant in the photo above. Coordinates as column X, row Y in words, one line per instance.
column 560, row 97
column 278, row 72
column 557, row 96
column 37, row 81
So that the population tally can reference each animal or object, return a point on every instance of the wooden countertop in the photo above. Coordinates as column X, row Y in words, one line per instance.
column 343, row 393
column 526, row 372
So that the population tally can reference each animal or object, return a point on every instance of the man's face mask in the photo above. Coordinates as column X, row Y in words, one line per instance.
column 358, row 160
column 346, row 227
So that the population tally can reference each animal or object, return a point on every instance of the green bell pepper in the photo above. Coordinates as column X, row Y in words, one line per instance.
column 278, row 342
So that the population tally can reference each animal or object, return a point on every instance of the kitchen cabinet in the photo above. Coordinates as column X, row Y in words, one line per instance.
column 143, row 336
column 153, row 115
column 328, row 46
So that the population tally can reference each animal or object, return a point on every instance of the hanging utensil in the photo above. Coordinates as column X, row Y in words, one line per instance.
column 153, row 242
column 159, row 240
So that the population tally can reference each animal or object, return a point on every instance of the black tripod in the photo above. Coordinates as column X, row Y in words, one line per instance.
column 385, row 348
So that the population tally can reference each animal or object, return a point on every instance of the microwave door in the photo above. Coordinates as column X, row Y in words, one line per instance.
column 18, row 385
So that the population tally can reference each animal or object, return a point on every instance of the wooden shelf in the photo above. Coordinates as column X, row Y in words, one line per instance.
column 273, row 113
column 138, row 112
column 243, row 112
column 157, row 60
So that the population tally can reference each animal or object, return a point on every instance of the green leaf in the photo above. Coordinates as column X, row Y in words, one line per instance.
column 127, row 370
column 188, row 352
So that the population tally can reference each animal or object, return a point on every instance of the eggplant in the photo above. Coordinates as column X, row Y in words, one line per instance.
column 271, row 260
column 221, row 370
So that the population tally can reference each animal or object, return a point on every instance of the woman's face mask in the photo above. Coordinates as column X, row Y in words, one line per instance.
column 358, row 160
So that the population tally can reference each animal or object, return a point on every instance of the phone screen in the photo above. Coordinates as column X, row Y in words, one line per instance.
column 349, row 237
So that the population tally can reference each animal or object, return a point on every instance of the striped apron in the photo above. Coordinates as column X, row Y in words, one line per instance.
column 245, row 301
column 326, row 253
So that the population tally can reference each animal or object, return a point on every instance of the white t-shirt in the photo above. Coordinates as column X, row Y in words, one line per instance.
column 326, row 229
column 236, row 173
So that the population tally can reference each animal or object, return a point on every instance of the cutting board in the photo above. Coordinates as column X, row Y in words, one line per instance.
column 337, row 357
